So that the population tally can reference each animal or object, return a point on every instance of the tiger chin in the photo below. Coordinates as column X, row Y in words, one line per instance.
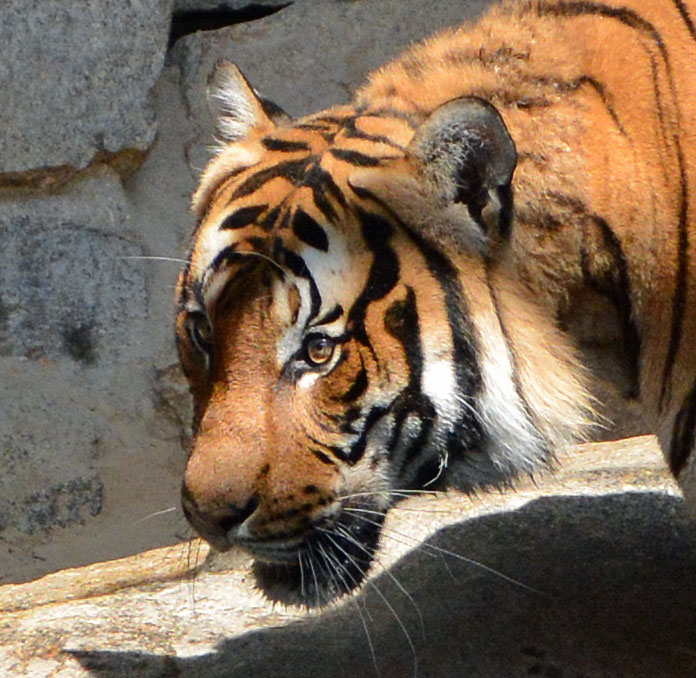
column 377, row 296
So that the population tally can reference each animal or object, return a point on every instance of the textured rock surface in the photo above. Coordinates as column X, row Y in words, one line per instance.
column 280, row 54
column 93, row 410
column 75, row 79
column 555, row 580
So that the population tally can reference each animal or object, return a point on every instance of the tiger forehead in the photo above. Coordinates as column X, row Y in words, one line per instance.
column 324, row 147
column 297, row 194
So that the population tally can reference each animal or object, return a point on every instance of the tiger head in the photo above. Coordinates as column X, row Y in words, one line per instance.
column 352, row 331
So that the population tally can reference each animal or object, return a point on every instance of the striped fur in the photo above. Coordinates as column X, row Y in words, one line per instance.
column 374, row 303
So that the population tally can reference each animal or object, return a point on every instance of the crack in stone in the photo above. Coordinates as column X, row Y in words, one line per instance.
column 185, row 22
column 124, row 162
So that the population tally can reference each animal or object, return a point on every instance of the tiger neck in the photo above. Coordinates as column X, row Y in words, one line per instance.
column 588, row 190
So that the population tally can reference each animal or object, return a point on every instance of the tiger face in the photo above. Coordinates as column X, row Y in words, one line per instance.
column 352, row 332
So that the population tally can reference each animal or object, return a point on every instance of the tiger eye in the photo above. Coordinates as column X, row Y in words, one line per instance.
column 319, row 348
column 201, row 332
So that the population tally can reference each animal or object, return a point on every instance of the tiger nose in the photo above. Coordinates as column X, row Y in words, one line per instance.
column 215, row 525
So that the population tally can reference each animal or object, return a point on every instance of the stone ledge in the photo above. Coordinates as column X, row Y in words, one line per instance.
column 596, row 566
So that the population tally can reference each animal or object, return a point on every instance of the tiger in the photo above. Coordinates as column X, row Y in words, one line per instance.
column 384, row 297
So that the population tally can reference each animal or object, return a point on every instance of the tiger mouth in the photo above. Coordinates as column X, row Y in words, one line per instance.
column 325, row 565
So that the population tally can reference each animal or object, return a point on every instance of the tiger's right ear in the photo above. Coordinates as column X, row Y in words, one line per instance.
column 236, row 107
column 465, row 151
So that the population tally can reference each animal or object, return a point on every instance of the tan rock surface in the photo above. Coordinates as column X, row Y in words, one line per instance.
column 586, row 574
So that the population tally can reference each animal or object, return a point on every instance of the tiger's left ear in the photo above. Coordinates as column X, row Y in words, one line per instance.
column 466, row 152
column 236, row 106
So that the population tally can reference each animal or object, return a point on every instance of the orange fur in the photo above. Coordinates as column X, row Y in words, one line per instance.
column 600, row 101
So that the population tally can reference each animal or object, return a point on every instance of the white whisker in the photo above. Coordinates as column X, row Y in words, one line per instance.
column 155, row 514
column 453, row 554
column 389, row 606
column 175, row 260
column 346, row 534
column 252, row 253
column 302, row 584
column 356, row 601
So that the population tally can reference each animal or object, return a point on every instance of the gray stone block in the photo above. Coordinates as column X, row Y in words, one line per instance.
column 68, row 285
column 311, row 54
column 90, row 434
column 75, row 78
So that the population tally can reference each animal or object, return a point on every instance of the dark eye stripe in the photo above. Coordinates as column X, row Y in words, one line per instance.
column 242, row 217
column 334, row 314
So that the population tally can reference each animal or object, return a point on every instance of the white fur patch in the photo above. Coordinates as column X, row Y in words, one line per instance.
column 232, row 102
column 290, row 341
column 439, row 383
column 514, row 444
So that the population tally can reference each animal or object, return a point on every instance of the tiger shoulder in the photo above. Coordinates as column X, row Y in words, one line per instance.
column 387, row 296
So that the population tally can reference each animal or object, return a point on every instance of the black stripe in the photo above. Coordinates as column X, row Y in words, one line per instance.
column 297, row 266
column 351, row 131
column 318, row 126
column 323, row 458
column 686, row 17
column 569, row 86
column 401, row 321
column 285, row 220
column 269, row 221
column 383, row 275
column 355, row 157
column 626, row 16
column 467, row 372
column 309, row 231
column 328, row 183
column 633, row 20
column 225, row 256
column 357, row 449
column 357, row 388
column 347, row 419
column 683, row 434
column 322, row 203
column 242, row 217
column 617, row 287
column 680, row 292
column 284, row 145
column 386, row 112
column 334, row 314
column 468, row 375
column 221, row 187
column 321, row 182
column 331, row 119
column 606, row 100
column 292, row 170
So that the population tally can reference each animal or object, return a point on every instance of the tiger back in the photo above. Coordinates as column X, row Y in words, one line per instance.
column 380, row 297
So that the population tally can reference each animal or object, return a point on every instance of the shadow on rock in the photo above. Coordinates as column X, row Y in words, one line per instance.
column 603, row 586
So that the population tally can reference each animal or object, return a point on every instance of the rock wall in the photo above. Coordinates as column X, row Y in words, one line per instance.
column 103, row 133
